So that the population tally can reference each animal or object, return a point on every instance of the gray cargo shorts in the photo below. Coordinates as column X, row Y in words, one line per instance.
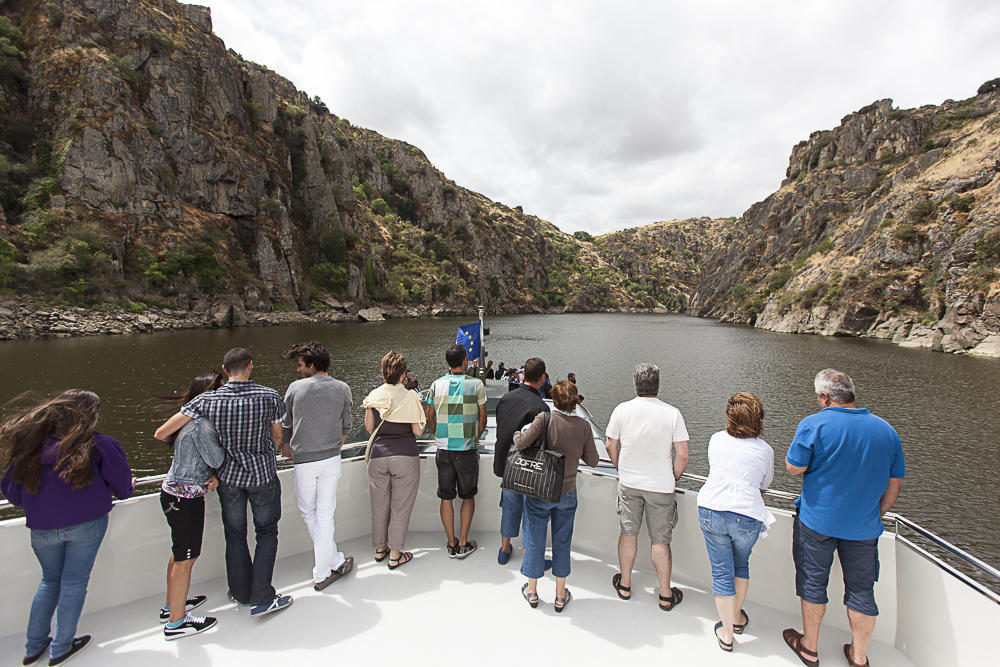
column 660, row 510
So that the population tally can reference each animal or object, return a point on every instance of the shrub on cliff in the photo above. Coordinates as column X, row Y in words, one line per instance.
column 989, row 87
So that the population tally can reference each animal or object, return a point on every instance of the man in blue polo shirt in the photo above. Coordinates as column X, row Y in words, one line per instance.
column 852, row 467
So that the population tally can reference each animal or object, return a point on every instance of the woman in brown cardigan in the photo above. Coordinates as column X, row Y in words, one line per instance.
column 570, row 435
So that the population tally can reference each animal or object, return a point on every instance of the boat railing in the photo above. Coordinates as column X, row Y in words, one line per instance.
column 978, row 574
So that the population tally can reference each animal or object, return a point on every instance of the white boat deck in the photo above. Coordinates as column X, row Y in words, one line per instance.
column 436, row 610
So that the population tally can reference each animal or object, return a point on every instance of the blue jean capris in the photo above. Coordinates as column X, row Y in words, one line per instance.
column 729, row 538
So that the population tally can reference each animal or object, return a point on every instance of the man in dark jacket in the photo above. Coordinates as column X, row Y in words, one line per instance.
column 516, row 408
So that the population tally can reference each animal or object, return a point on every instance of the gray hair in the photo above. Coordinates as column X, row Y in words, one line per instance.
column 835, row 384
column 647, row 380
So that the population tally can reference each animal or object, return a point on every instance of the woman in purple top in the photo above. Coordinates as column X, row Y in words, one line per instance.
column 62, row 472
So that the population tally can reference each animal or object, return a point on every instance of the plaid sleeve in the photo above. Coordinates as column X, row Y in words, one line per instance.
column 279, row 409
column 194, row 408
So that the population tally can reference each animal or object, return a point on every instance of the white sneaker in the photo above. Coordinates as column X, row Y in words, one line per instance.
column 191, row 625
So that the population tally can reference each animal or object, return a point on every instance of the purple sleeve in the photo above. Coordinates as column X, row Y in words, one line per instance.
column 11, row 489
column 801, row 450
column 113, row 466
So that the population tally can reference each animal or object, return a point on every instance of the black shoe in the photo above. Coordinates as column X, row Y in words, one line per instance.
column 32, row 659
column 463, row 550
column 78, row 645
column 191, row 625
column 191, row 603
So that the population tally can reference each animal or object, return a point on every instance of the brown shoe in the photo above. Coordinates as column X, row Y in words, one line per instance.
column 345, row 567
column 850, row 660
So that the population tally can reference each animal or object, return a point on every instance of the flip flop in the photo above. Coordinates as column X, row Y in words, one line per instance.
column 563, row 602
column 673, row 600
column 793, row 638
column 728, row 647
column 616, row 581
column 738, row 628
column 532, row 598
column 850, row 661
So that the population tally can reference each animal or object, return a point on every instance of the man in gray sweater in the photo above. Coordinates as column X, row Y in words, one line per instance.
column 317, row 421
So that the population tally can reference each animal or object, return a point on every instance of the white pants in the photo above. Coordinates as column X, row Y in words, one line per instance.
column 316, row 492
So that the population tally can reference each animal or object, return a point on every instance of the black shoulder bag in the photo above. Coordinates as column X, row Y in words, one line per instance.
column 536, row 471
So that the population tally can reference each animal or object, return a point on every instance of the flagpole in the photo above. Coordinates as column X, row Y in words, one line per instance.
column 482, row 341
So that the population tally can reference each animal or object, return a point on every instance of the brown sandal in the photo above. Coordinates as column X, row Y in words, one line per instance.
column 850, row 661
column 668, row 603
column 381, row 554
column 793, row 638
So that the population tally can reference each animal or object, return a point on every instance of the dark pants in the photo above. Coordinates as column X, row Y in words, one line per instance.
column 250, row 581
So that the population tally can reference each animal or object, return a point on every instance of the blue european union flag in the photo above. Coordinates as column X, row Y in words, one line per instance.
column 468, row 337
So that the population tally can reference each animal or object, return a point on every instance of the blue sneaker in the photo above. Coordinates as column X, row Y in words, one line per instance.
column 277, row 604
column 504, row 556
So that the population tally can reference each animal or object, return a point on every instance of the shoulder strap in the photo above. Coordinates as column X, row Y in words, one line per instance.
column 543, row 439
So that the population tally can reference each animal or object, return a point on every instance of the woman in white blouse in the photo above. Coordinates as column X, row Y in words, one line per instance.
column 731, row 508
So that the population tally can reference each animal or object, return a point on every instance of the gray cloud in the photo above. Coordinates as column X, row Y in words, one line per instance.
column 599, row 116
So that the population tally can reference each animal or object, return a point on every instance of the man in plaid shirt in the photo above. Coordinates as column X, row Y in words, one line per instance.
column 456, row 403
column 248, row 418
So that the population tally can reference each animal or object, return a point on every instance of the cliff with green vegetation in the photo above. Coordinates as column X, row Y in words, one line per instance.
column 143, row 164
column 887, row 226
column 150, row 178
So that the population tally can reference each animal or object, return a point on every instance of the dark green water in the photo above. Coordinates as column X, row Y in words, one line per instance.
column 944, row 406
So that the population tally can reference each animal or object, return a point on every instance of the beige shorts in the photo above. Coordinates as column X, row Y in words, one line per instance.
column 660, row 510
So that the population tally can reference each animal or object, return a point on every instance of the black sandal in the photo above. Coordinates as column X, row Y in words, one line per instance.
column 381, row 554
column 673, row 600
column 793, row 638
column 850, row 660
column 725, row 646
column 738, row 628
column 532, row 598
column 616, row 581
column 562, row 602
column 404, row 558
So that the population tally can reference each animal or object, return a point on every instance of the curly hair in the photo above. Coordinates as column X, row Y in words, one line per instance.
column 70, row 418
column 744, row 415
column 393, row 367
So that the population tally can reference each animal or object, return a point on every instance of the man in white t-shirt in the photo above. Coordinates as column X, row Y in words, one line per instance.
column 640, row 436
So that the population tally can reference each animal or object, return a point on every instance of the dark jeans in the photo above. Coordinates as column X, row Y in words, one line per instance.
column 250, row 581
column 813, row 556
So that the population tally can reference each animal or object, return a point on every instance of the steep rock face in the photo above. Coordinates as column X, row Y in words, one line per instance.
column 886, row 226
column 169, row 169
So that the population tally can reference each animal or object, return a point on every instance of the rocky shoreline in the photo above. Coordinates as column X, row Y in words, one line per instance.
column 962, row 333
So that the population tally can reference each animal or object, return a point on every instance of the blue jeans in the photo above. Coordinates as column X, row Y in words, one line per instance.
column 250, row 580
column 67, row 556
column 729, row 538
column 511, row 513
column 537, row 514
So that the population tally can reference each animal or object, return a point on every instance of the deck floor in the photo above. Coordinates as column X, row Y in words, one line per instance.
column 437, row 610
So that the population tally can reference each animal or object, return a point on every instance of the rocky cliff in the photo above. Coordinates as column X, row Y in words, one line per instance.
column 143, row 167
column 143, row 162
column 886, row 226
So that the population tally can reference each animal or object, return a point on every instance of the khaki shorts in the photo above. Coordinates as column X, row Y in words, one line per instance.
column 660, row 510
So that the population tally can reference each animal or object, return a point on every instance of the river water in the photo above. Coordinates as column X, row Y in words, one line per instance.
column 944, row 406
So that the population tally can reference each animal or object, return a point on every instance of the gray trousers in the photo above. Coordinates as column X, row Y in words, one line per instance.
column 392, row 485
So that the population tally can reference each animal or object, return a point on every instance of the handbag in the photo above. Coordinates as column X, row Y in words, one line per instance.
column 536, row 471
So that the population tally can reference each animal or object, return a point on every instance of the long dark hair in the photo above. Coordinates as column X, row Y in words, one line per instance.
column 71, row 418
column 173, row 402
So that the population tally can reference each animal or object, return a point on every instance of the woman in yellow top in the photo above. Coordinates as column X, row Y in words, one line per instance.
column 394, row 417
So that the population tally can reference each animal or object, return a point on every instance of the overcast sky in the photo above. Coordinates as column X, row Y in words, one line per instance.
column 600, row 116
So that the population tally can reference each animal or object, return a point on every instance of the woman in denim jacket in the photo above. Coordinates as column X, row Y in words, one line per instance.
column 197, row 454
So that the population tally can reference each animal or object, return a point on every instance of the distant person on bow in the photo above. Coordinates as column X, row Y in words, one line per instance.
column 197, row 455
column 852, row 468
column 456, row 405
column 62, row 472
column 572, row 436
column 516, row 409
column 501, row 372
column 546, row 389
column 247, row 418
column 731, row 508
column 395, row 417
column 317, row 421
column 489, row 373
column 572, row 378
column 641, row 436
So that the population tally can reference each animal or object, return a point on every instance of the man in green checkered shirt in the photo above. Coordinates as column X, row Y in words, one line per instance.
column 456, row 404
